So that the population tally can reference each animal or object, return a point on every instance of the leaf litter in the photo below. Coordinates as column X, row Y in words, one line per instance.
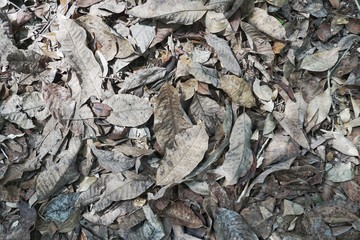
column 191, row 120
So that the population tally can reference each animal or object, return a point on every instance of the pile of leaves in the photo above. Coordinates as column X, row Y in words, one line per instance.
column 192, row 119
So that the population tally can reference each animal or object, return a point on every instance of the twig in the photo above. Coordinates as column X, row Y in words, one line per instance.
column 357, row 4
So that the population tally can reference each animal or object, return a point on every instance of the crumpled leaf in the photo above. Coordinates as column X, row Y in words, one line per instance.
column 320, row 61
column 230, row 225
column 178, row 162
column 128, row 110
column 224, row 53
column 267, row 24
column 72, row 38
column 169, row 116
column 238, row 90
column 185, row 12
column 239, row 158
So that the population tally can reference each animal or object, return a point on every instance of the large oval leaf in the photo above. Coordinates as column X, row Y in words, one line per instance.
column 128, row 110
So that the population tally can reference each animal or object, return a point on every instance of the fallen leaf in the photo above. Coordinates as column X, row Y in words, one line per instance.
column 239, row 158
column 224, row 53
column 189, row 149
column 320, row 61
column 128, row 110
column 267, row 24
column 238, row 90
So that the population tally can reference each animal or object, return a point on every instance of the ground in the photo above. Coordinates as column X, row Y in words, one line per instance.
column 195, row 119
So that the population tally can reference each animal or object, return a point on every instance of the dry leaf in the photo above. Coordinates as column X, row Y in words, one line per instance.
column 320, row 61
column 204, row 74
column 168, row 116
column 230, row 225
column 318, row 109
column 238, row 90
column 72, row 38
column 189, row 149
column 128, row 110
column 267, row 24
column 186, row 12
column 224, row 53
column 239, row 158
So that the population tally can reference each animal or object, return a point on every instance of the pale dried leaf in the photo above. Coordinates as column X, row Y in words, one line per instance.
column 215, row 22
column 189, row 149
column 239, row 158
column 318, row 109
column 185, row 12
column 143, row 77
column 113, row 161
column 10, row 110
column 204, row 74
column 344, row 145
column 128, row 110
column 206, row 110
column 230, row 225
column 143, row 33
column 292, row 208
column 72, row 38
column 107, row 8
column 101, row 32
column 267, row 24
column 320, row 61
column 340, row 172
column 168, row 116
column 58, row 175
column 293, row 118
column 238, row 90
column 224, row 53
column 131, row 187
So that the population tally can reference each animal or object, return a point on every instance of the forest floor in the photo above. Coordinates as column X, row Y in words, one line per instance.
column 195, row 119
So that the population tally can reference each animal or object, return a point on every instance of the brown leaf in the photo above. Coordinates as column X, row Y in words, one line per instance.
column 320, row 61
column 168, row 116
column 189, row 149
column 182, row 215
column 238, row 90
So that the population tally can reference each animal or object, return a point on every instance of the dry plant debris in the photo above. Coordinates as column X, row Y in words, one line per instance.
column 192, row 119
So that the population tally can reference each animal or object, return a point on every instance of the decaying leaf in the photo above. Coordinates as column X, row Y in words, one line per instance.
column 238, row 90
column 113, row 161
column 60, row 208
column 182, row 214
column 215, row 22
column 72, row 38
column 168, row 116
column 224, row 53
column 27, row 61
column 320, row 61
column 239, row 158
column 128, row 110
column 230, row 225
column 189, row 149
